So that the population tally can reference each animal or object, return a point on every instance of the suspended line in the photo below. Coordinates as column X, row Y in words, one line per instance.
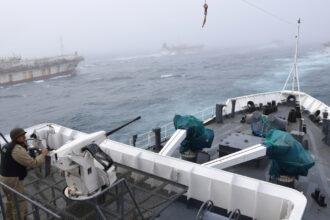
column 267, row 12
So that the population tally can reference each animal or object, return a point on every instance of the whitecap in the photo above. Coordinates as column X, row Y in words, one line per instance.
column 166, row 76
column 59, row 77
column 128, row 58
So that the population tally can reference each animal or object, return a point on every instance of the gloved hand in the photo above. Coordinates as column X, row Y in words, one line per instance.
column 44, row 151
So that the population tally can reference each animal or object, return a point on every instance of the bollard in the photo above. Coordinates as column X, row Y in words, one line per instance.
column 218, row 113
column 134, row 139
column 304, row 128
column 158, row 145
column 325, row 114
column 327, row 132
column 325, row 121
column 298, row 111
column 301, row 123
column 274, row 106
column 233, row 102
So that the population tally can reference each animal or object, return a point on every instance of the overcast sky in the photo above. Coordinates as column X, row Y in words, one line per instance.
column 33, row 28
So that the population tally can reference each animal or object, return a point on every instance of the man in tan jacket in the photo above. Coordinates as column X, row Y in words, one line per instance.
column 13, row 170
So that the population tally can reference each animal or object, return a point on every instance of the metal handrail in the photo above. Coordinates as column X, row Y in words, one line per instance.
column 206, row 206
column 34, row 204
column 123, row 183
column 235, row 215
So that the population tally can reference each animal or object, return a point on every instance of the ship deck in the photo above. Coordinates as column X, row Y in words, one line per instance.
column 318, row 176
column 240, row 134
column 162, row 199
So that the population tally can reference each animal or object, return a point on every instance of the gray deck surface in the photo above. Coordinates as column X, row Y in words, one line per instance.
column 318, row 176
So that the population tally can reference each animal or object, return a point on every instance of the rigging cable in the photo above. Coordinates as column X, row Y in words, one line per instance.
column 267, row 12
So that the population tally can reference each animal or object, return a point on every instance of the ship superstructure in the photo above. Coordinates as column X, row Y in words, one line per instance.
column 181, row 49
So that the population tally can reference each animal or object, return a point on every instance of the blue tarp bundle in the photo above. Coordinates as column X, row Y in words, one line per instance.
column 198, row 137
column 287, row 154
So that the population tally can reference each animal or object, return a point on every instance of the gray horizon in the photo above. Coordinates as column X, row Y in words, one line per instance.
column 34, row 28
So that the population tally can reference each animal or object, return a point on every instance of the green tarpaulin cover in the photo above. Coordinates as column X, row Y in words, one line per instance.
column 198, row 137
column 287, row 154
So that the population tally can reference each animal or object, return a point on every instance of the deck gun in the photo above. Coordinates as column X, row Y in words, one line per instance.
column 86, row 167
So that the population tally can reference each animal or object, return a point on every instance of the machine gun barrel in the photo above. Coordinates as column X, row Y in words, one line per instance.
column 120, row 127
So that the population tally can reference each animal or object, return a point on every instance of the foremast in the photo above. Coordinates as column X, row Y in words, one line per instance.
column 294, row 75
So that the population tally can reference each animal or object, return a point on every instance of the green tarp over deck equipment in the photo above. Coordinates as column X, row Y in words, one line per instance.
column 287, row 154
column 198, row 137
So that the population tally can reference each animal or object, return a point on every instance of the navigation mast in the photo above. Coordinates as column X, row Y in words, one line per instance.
column 294, row 70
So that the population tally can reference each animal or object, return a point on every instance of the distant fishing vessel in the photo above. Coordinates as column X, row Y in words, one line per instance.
column 17, row 70
column 182, row 49
column 327, row 47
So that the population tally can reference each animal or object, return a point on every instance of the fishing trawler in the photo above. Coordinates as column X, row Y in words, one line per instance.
column 181, row 49
column 15, row 70
column 327, row 47
column 89, row 176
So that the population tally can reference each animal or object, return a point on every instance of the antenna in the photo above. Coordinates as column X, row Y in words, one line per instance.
column 61, row 45
column 294, row 70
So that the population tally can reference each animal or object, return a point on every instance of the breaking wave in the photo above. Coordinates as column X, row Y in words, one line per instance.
column 59, row 77
column 128, row 58
column 39, row 81
column 166, row 76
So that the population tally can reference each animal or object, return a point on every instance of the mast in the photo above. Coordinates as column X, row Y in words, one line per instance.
column 294, row 70
column 61, row 46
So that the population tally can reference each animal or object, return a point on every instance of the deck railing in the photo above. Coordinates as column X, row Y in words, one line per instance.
column 147, row 140
column 36, row 207
column 123, row 184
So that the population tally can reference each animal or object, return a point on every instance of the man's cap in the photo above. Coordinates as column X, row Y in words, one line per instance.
column 16, row 132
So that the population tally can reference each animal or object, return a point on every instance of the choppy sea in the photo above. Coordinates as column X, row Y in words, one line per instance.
column 107, row 91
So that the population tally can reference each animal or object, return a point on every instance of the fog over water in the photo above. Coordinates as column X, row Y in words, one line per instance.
column 34, row 28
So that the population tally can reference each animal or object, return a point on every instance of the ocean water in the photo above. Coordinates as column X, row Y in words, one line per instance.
column 107, row 91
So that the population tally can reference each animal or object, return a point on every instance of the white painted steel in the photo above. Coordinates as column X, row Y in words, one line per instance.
column 238, row 157
column 172, row 144
column 255, row 198
column 83, row 175
column 307, row 102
